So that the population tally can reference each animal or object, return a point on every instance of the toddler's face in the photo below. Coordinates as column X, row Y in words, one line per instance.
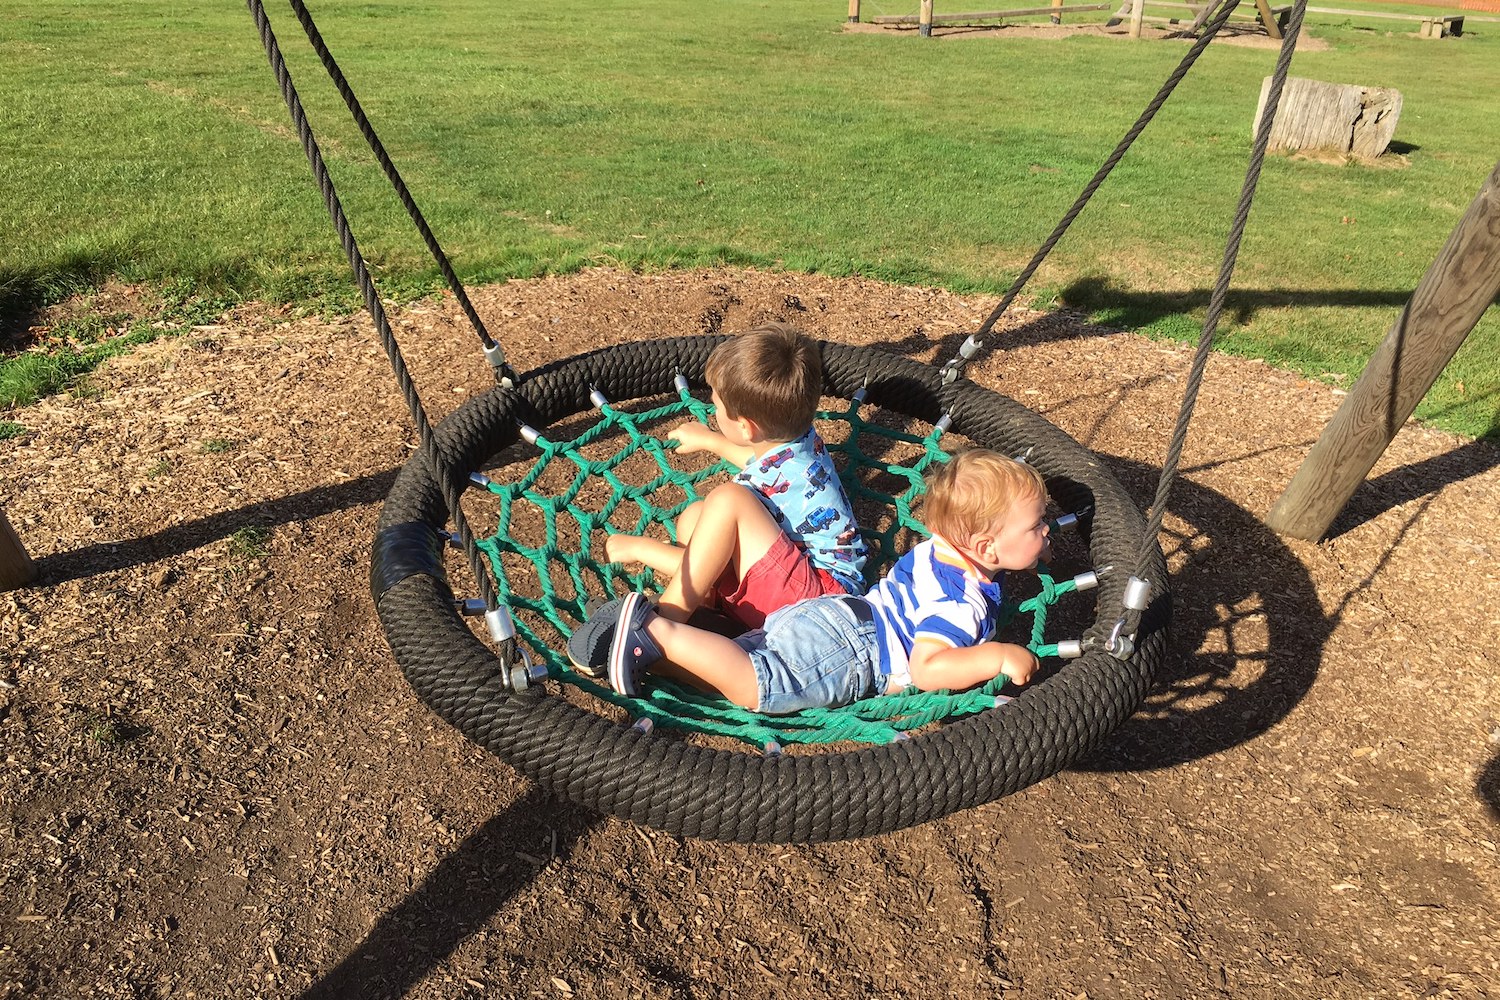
column 733, row 430
column 1020, row 535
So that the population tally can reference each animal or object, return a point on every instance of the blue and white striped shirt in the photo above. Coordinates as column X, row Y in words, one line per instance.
column 932, row 593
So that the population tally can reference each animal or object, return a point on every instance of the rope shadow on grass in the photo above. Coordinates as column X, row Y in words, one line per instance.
column 1134, row 309
column 461, row 894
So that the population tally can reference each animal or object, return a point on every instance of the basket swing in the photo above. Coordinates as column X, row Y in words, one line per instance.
column 590, row 428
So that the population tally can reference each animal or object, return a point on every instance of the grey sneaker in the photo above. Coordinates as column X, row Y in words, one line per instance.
column 588, row 647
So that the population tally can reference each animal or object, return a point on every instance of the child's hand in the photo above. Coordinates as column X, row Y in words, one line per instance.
column 692, row 437
column 1017, row 663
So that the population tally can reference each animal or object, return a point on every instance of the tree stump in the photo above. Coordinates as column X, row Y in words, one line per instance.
column 1340, row 118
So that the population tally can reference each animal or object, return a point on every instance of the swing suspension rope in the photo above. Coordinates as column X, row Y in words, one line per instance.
column 501, row 626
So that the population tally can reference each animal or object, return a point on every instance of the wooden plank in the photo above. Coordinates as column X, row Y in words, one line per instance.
column 1137, row 14
column 16, row 567
column 988, row 15
column 1056, row 17
column 1366, row 13
column 1456, row 290
column 854, row 10
column 924, row 20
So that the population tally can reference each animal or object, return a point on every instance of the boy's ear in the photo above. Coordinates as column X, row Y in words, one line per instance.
column 984, row 546
column 750, row 427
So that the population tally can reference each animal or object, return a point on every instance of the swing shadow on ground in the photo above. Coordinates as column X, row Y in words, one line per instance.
column 1487, row 786
column 107, row 557
column 1246, row 636
column 464, row 891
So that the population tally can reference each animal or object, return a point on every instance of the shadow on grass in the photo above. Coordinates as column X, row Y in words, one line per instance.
column 1133, row 309
column 465, row 890
column 107, row 557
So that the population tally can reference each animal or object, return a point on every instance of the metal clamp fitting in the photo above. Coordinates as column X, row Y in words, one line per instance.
column 528, row 673
column 500, row 624
column 495, row 355
column 1119, row 645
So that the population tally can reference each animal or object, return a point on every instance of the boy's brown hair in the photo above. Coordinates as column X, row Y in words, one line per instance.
column 967, row 494
column 772, row 375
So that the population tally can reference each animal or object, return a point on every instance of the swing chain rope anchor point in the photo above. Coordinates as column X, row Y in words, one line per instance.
column 1121, row 641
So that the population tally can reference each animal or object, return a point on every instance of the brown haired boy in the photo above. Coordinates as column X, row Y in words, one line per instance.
column 782, row 530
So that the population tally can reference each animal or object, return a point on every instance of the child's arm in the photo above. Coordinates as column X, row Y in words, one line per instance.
column 692, row 437
column 935, row 666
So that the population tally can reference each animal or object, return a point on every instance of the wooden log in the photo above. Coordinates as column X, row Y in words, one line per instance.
column 924, row 21
column 1334, row 117
column 1456, row 290
column 854, row 11
column 1137, row 13
column 16, row 567
column 1366, row 13
column 1056, row 18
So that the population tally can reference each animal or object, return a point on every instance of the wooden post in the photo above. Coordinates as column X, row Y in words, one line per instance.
column 1457, row 288
column 1057, row 17
column 924, row 22
column 1273, row 26
column 853, row 11
column 1137, row 14
column 16, row 567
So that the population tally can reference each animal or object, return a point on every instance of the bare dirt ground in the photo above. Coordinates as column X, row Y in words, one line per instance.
column 218, row 784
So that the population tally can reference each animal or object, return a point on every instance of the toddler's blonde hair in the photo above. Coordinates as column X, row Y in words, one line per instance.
column 968, row 493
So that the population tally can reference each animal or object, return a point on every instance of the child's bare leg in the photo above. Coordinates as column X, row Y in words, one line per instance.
column 687, row 521
column 704, row 659
column 733, row 529
column 663, row 557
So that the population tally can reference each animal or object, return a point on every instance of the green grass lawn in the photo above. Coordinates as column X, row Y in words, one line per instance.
column 147, row 140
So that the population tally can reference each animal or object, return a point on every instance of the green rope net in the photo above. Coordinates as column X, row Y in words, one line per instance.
column 580, row 500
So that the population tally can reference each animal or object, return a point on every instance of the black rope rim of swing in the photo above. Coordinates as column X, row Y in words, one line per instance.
column 692, row 790
column 739, row 795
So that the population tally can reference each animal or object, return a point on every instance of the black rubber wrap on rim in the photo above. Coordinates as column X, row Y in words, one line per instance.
column 743, row 796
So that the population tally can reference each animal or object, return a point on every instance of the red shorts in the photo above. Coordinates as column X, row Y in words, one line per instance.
column 784, row 575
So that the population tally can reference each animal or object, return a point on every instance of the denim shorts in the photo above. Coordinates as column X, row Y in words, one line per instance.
column 818, row 653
